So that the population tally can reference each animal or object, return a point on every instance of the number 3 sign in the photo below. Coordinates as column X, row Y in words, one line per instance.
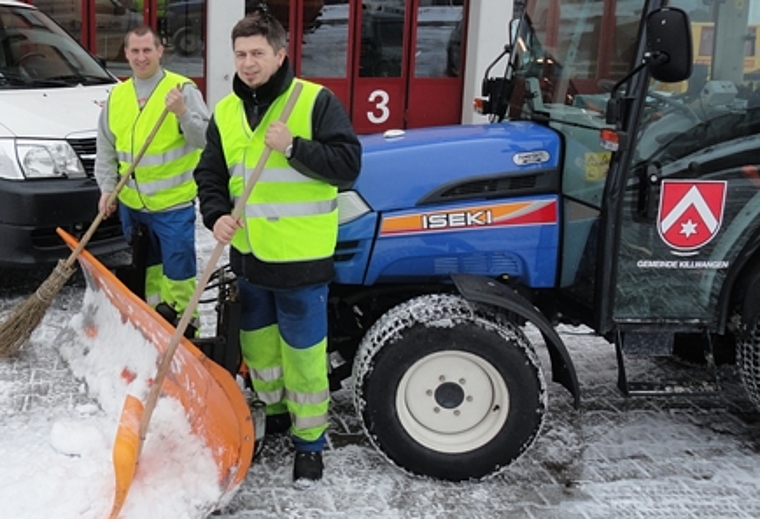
column 380, row 99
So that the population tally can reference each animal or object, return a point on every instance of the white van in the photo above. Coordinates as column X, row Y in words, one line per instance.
column 51, row 94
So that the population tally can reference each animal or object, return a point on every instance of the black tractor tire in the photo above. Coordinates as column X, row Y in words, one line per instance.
column 448, row 389
column 748, row 340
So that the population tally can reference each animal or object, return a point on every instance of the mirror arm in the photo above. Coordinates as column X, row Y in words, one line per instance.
column 614, row 108
column 483, row 89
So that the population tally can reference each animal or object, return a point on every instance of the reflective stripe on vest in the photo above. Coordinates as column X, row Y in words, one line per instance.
column 155, row 187
column 164, row 177
column 289, row 216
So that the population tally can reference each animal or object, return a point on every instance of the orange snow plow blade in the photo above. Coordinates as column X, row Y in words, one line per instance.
column 126, row 450
column 214, row 404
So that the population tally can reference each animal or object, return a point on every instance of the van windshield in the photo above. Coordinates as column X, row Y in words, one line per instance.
column 36, row 53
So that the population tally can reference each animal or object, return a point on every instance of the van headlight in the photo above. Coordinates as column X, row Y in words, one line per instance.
column 351, row 206
column 48, row 159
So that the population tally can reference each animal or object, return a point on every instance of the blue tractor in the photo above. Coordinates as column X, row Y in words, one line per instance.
column 617, row 187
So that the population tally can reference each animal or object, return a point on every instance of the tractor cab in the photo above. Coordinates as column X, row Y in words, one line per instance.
column 659, row 169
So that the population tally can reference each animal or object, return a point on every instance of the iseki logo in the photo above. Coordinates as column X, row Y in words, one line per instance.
column 691, row 213
column 456, row 219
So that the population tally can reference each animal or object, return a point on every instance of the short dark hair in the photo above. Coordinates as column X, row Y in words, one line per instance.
column 142, row 30
column 260, row 22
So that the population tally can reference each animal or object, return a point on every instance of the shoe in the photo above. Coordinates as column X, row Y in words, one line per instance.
column 278, row 423
column 307, row 469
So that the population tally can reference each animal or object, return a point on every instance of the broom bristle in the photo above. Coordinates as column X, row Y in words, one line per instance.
column 26, row 316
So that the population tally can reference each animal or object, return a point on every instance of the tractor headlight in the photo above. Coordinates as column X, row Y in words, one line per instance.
column 351, row 206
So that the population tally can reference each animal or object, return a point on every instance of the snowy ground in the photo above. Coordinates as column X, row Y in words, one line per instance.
column 616, row 457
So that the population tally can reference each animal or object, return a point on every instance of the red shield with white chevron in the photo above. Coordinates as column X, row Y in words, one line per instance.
column 690, row 213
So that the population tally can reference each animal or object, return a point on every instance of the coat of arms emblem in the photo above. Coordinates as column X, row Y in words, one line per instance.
column 691, row 212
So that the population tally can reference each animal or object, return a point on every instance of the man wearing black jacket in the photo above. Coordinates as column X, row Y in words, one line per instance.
column 282, row 247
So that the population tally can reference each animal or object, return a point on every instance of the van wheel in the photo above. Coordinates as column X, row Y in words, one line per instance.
column 447, row 389
column 748, row 340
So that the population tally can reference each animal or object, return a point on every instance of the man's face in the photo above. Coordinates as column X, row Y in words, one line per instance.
column 143, row 55
column 255, row 60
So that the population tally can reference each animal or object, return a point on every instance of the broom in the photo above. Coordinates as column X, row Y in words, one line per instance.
column 26, row 316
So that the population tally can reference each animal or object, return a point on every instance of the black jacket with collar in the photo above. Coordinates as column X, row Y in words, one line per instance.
column 332, row 155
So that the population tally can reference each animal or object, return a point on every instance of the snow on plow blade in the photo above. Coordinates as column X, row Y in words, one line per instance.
column 215, row 407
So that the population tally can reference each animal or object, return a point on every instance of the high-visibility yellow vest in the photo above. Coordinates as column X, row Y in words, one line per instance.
column 164, row 176
column 289, row 216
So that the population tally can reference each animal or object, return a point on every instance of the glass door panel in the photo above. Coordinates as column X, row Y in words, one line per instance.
column 435, row 88
column 379, row 94
column 111, row 24
column 324, row 50
column 182, row 26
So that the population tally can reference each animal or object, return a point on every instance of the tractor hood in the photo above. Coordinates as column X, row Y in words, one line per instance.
column 419, row 165
column 51, row 112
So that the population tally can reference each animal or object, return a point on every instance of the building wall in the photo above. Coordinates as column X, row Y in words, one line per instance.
column 486, row 37
column 220, row 65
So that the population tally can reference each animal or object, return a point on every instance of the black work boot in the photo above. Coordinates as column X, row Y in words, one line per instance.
column 307, row 469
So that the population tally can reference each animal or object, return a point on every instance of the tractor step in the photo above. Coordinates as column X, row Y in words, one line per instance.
column 706, row 388
column 649, row 344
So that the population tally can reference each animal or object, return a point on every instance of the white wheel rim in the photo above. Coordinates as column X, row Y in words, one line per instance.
column 452, row 401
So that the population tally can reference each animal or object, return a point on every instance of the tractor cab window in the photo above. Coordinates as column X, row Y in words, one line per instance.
column 566, row 56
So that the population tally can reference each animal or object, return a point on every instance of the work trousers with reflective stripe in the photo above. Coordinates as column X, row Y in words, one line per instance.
column 284, row 343
column 170, row 259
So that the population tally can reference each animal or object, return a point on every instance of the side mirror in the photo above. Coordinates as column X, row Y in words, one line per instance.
column 669, row 44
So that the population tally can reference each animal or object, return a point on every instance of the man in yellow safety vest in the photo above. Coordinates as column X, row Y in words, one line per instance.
column 160, row 196
column 282, row 248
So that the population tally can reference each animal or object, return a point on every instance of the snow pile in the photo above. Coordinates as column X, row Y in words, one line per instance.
column 61, row 467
